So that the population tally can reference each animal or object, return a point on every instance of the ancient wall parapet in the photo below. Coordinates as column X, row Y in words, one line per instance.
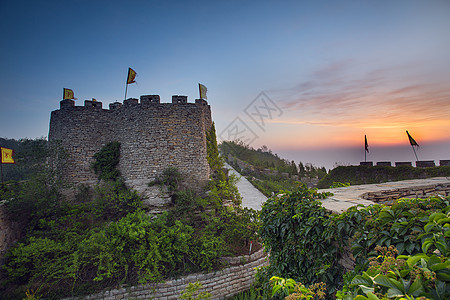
column 153, row 136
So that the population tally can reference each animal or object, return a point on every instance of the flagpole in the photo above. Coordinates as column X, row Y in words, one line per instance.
column 414, row 152
column 126, row 88
column 1, row 168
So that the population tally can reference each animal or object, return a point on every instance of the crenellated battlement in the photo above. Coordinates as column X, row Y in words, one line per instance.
column 153, row 136
column 144, row 100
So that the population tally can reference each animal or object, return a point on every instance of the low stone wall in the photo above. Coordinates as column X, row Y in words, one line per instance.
column 410, row 192
column 220, row 284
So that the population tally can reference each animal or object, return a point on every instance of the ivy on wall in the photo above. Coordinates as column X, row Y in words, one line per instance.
column 106, row 161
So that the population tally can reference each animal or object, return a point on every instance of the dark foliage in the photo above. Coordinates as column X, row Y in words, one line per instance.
column 377, row 174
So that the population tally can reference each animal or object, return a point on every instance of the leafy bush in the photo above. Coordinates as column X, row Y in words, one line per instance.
column 292, row 290
column 215, row 162
column 106, row 161
column 191, row 292
column 396, row 276
column 339, row 184
column 306, row 242
column 170, row 178
column 270, row 185
column 294, row 230
column 400, row 225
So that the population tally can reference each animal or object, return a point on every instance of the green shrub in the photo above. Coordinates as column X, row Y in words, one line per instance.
column 106, row 161
column 393, row 276
column 215, row 162
column 170, row 178
column 306, row 242
column 339, row 184
column 293, row 228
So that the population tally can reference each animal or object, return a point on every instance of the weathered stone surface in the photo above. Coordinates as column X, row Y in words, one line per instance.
column 425, row 163
column 444, row 162
column 153, row 136
column 403, row 163
column 220, row 284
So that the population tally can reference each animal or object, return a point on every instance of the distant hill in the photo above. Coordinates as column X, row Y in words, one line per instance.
column 264, row 158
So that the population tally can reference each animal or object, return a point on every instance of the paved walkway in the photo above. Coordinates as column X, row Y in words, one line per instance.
column 251, row 196
column 343, row 197
column 346, row 197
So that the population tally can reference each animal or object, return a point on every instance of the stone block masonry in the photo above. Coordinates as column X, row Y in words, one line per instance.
column 153, row 136
column 220, row 284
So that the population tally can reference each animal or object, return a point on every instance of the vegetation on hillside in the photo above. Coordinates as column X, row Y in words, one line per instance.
column 377, row 174
column 103, row 238
column 30, row 156
column 306, row 243
column 263, row 159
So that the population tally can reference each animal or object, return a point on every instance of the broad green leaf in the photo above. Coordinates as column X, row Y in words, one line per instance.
column 414, row 259
column 429, row 227
column 394, row 293
column 436, row 216
column 366, row 289
column 410, row 247
column 360, row 280
column 372, row 296
column 416, row 287
column 443, row 220
column 443, row 276
column 440, row 289
column 426, row 245
column 441, row 247
column 404, row 273
column 385, row 281
column 275, row 289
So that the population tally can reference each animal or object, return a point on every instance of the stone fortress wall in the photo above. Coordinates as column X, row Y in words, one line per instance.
column 153, row 136
column 239, row 276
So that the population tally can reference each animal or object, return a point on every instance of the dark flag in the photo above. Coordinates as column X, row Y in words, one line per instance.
column 411, row 140
column 366, row 146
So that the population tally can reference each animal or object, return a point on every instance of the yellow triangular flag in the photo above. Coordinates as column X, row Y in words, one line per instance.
column 68, row 94
column 131, row 76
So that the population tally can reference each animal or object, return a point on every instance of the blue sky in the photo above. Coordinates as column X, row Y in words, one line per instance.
column 335, row 70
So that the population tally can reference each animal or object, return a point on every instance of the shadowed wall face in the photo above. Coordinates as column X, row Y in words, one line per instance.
column 153, row 136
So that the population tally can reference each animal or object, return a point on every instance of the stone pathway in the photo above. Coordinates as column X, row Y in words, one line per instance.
column 346, row 197
column 343, row 197
column 251, row 196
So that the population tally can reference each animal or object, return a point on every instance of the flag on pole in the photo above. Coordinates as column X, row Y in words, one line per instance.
column 202, row 89
column 7, row 156
column 68, row 94
column 366, row 146
column 411, row 140
column 131, row 76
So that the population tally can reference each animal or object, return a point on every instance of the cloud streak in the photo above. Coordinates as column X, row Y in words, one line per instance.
column 384, row 97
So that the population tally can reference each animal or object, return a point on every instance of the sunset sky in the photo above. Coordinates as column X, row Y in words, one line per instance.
column 329, row 72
